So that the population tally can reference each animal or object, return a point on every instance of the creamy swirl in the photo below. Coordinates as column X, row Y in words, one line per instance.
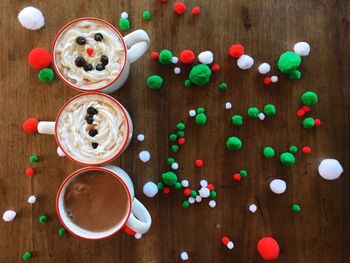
column 67, row 50
column 73, row 129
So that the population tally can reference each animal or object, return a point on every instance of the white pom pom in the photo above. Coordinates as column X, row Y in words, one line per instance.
column 174, row 60
column 228, row 105
column 264, row 68
column 177, row 70
column 198, row 199
column 191, row 200
column 184, row 256
column 230, row 245
column 150, row 189
column 31, row 199
column 60, row 152
column 124, row 15
column 192, row 113
column 31, row 18
column 175, row 166
column 204, row 192
column 278, row 186
column 212, row 203
column 274, row 79
column 302, row 49
column 245, row 62
column 138, row 235
column 140, row 137
column 330, row 169
column 253, row 208
column 145, row 156
column 203, row 183
column 206, row 57
column 185, row 183
column 261, row 116
column 9, row 215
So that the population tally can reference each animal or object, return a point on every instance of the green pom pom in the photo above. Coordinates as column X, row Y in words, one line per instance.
column 253, row 112
column 34, row 159
column 170, row 160
column 160, row 185
column 295, row 74
column 43, row 219
column 237, row 120
column 293, row 149
column 169, row 178
column 268, row 152
column 223, row 85
column 180, row 126
column 180, row 134
column 309, row 98
column 200, row 74
column 26, row 256
column 173, row 137
column 175, row 148
column 154, row 82
column 165, row 57
column 243, row 173
column 269, row 110
column 124, row 23
column 193, row 193
column 213, row 194
column 296, row 208
column 62, row 231
column 233, row 143
column 201, row 119
column 187, row 83
column 146, row 15
column 185, row 204
column 177, row 185
column 46, row 75
column 308, row 123
column 200, row 110
column 287, row 159
column 288, row 62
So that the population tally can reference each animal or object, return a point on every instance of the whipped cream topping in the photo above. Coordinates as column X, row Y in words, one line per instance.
column 67, row 50
column 73, row 129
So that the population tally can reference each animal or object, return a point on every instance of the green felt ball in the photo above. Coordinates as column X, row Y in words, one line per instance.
column 180, row 134
column 172, row 137
column 165, row 57
column 193, row 193
column 200, row 74
column 177, row 185
column 26, row 256
column 154, row 82
column 62, row 231
column 185, row 204
column 175, row 148
column 269, row 110
column 234, row 143
column 287, row 159
column 294, row 75
column 180, row 126
column 296, row 208
column 293, row 149
column 308, row 123
column 253, row 112
column 146, row 15
column 46, row 75
column 34, row 159
column 288, row 62
column 237, row 120
column 124, row 23
column 187, row 83
column 169, row 178
column 170, row 160
column 309, row 98
column 213, row 194
column 201, row 119
column 200, row 110
column 243, row 173
column 43, row 219
column 268, row 152
column 223, row 85
column 160, row 185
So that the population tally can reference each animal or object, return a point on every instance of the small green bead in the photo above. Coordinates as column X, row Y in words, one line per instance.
column 223, row 86
column 165, row 57
column 62, row 231
column 243, row 173
column 237, row 120
column 200, row 110
column 234, row 143
column 293, row 149
column 169, row 178
column 269, row 110
column 193, row 193
column 201, row 119
column 185, row 204
column 46, row 75
column 213, row 194
column 146, row 15
column 43, row 219
column 26, row 256
column 180, row 134
column 187, row 83
column 175, row 148
column 295, row 74
column 180, row 126
column 170, row 160
column 287, row 159
column 154, row 82
column 173, row 137
column 253, row 112
column 268, row 152
column 160, row 185
column 308, row 123
column 296, row 208
column 177, row 185
column 34, row 159
column 309, row 98
column 124, row 23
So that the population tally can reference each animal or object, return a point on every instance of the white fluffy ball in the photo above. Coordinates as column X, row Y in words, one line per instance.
column 31, row 18
column 9, row 215
column 230, row 245
column 203, row 183
column 261, row 116
column 330, row 169
column 185, row 183
column 302, row 49
column 184, row 255
column 264, row 68
column 206, row 57
column 245, row 62
column 140, row 137
column 145, row 156
column 278, row 186
column 228, row 105
column 192, row 113
column 138, row 235
column 274, row 79
column 150, row 189
column 31, row 199
column 124, row 15
column 198, row 199
column 212, row 203
column 253, row 208
column 191, row 200
column 175, row 166
column 174, row 60
column 204, row 192
column 177, row 70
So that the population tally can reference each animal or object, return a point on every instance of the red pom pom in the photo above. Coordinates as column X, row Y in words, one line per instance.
column 30, row 125
column 179, row 8
column 300, row 113
column 30, row 171
column 187, row 192
column 215, row 68
column 225, row 240
column 196, row 10
column 39, row 58
column 267, row 81
column 187, row 56
column 268, row 248
column 181, row 141
column 306, row 108
column 154, row 55
column 236, row 51
column 166, row 190
column 129, row 231
column 237, row 177
column 210, row 187
column 317, row 122
column 198, row 163
column 306, row 150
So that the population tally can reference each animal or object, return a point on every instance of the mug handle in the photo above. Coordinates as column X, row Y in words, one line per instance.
column 140, row 220
column 137, row 43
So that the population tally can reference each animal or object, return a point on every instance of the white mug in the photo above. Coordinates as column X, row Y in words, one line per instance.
column 136, row 218
column 135, row 45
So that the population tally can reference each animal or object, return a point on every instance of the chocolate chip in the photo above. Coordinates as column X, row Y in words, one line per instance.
column 104, row 60
column 87, row 67
column 93, row 132
column 79, row 61
column 94, row 145
column 100, row 67
column 89, row 119
column 98, row 37
column 80, row 40
column 91, row 111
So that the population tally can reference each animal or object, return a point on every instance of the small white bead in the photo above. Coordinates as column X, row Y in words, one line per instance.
column 274, row 79
column 253, row 208
column 124, row 15
column 60, row 152
column 192, row 113
column 175, row 166
column 203, row 183
column 174, row 60
column 191, row 200
column 204, row 192
column 198, row 199
column 212, row 203
column 245, row 62
column 184, row 255
column 150, row 189
column 206, row 57
column 330, row 169
column 145, row 156
column 302, row 48
column 9, row 215
column 31, row 199
column 230, row 245
column 185, row 183
column 140, row 137
column 228, row 105
column 261, row 116
column 177, row 70
column 31, row 18
column 138, row 235
column 264, row 68
column 278, row 186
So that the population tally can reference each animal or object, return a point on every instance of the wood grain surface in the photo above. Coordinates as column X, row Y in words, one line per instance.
column 319, row 234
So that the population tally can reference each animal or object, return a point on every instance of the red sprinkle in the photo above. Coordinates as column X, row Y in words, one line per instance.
column 306, row 108
column 181, row 141
column 317, row 122
column 267, row 81
column 215, row 68
column 166, row 190
column 39, row 58
column 210, row 187
column 237, row 177
column 306, row 150
column 30, row 125
column 187, row 56
column 179, row 8
column 236, row 51
column 129, row 231
column 300, row 113
column 225, row 240
column 154, row 55
column 90, row 51
column 198, row 163
column 196, row 10
column 30, row 171
column 187, row 192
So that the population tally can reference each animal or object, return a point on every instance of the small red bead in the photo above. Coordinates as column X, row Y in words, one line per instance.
column 198, row 163
column 306, row 150
column 215, row 68
column 187, row 192
column 267, row 81
column 30, row 125
column 129, row 231
column 225, row 240
column 236, row 51
column 30, row 171
column 317, row 122
column 181, row 141
column 210, row 187
column 90, row 51
column 300, row 113
column 154, row 55
column 166, row 190
column 187, row 56
column 179, row 8
column 196, row 10
column 306, row 108
column 237, row 177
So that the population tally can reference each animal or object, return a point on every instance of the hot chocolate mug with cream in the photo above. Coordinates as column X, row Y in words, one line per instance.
column 89, row 54
column 91, row 128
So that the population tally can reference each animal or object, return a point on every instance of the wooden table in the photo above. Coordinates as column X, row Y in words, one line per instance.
column 320, row 233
